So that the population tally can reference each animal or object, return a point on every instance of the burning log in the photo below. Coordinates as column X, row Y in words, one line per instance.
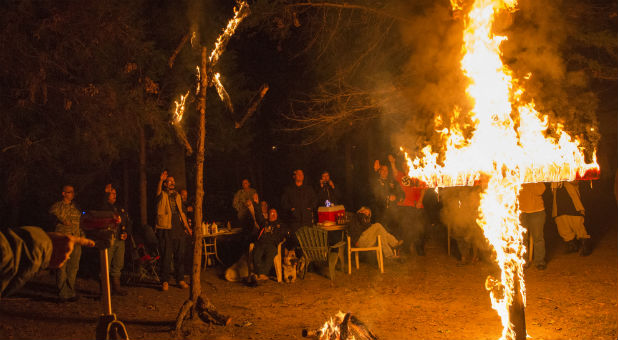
column 344, row 326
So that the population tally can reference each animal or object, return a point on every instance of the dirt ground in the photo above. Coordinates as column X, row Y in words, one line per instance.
column 422, row 298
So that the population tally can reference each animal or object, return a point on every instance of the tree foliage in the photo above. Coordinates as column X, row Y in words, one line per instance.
column 78, row 80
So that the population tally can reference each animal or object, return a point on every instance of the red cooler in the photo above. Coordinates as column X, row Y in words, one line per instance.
column 330, row 213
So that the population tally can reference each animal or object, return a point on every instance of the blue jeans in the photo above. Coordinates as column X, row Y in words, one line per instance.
column 67, row 274
column 534, row 223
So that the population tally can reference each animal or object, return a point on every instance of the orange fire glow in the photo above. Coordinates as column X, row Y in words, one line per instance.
column 239, row 14
column 225, row 98
column 509, row 147
column 179, row 108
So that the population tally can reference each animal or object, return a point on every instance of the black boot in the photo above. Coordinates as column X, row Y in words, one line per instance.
column 586, row 249
column 571, row 246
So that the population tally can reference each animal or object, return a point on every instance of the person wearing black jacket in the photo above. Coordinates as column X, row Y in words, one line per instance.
column 386, row 194
column 364, row 234
column 298, row 202
column 327, row 191
column 252, row 222
column 117, row 250
column 266, row 244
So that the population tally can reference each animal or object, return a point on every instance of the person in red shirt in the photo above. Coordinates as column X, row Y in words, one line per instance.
column 412, row 217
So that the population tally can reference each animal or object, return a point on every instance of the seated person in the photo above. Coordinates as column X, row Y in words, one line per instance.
column 365, row 234
column 266, row 244
column 251, row 223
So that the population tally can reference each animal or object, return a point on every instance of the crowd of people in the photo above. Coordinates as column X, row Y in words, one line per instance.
column 395, row 211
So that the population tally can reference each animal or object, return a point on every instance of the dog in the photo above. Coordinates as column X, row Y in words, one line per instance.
column 290, row 265
column 238, row 271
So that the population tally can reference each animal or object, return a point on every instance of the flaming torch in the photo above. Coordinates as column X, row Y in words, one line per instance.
column 509, row 147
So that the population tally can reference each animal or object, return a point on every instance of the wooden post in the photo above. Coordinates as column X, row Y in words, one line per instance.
column 517, row 314
column 196, row 287
column 143, row 195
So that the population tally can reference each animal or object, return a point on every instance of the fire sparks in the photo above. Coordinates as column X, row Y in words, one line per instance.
column 239, row 14
column 502, row 153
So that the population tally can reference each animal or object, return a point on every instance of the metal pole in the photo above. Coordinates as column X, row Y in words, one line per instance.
column 105, row 291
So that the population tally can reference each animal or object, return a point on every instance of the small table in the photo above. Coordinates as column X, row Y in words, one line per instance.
column 209, row 242
column 334, row 227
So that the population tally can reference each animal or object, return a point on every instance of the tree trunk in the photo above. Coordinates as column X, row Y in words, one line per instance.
column 143, row 184
column 125, row 184
column 349, row 173
column 196, row 287
column 189, row 309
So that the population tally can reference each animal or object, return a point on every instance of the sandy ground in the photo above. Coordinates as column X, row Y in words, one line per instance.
column 422, row 298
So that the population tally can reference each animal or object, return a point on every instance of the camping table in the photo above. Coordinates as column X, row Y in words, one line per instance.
column 332, row 229
column 209, row 242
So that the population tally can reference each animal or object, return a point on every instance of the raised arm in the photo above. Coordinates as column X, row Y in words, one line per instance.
column 161, row 180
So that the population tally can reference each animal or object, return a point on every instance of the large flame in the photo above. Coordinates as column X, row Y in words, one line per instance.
column 239, row 14
column 509, row 147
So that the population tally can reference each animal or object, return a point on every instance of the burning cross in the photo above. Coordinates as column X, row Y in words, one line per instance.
column 502, row 154
column 214, row 79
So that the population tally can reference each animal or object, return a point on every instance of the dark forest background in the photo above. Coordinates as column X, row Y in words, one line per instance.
column 86, row 89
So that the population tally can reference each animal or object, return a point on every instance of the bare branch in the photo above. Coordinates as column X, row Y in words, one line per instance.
column 253, row 104
column 350, row 6
column 184, row 40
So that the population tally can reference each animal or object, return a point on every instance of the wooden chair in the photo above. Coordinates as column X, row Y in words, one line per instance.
column 277, row 263
column 314, row 244
column 377, row 248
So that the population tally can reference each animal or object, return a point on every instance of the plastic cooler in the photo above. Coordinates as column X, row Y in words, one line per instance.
column 330, row 213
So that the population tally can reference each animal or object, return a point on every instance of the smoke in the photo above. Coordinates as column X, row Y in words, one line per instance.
column 459, row 213
column 431, row 83
column 538, row 44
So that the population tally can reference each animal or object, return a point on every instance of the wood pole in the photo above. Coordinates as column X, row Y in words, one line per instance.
column 196, row 288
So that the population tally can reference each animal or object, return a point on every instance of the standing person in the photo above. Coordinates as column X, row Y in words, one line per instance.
column 187, row 206
column 533, row 219
column 117, row 250
column 171, row 225
column 386, row 194
column 459, row 212
column 568, row 212
column 327, row 191
column 67, row 217
column 240, row 199
column 412, row 218
column 298, row 202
